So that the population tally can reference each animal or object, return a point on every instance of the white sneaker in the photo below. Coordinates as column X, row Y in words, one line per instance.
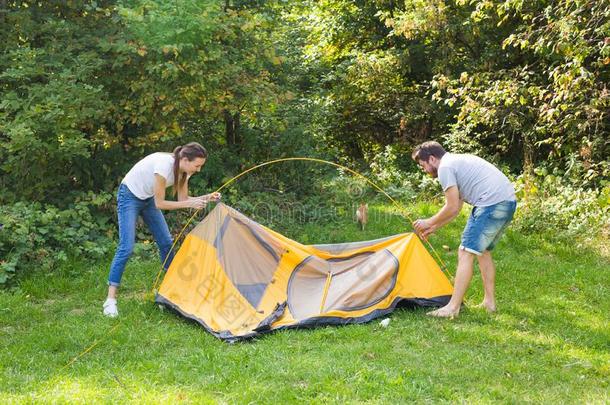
column 110, row 308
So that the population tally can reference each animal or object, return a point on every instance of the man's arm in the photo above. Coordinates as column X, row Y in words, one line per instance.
column 451, row 209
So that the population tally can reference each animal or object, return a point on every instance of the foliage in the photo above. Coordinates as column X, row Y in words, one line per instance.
column 54, row 103
column 546, row 100
column 394, row 170
column 368, row 90
column 87, row 88
column 41, row 236
column 523, row 83
column 565, row 211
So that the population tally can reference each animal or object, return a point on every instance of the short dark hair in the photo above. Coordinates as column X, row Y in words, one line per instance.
column 425, row 150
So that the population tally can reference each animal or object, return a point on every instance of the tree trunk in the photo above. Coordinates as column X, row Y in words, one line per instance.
column 232, row 124
column 528, row 164
column 3, row 10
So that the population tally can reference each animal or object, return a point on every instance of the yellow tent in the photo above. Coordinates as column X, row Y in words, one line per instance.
column 239, row 279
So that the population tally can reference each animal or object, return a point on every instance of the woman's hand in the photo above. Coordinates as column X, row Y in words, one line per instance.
column 197, row 202
column 213, row 197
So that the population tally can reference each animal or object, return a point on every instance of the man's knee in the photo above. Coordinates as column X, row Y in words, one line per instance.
column 464, row 255
column 485, row 257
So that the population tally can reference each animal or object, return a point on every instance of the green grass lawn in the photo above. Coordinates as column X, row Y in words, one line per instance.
column 549, row 342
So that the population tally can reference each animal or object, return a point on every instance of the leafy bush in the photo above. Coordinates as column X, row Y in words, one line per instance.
column 563, row 211
column 398, row 175
column 34, row 235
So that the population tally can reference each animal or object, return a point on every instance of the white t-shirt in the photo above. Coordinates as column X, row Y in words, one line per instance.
column 141, row 178
column 480, row 183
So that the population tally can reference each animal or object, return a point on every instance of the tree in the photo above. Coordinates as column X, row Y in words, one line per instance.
column 550, row 102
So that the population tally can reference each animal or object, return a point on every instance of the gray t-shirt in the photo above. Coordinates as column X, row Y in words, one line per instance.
column 479, row 182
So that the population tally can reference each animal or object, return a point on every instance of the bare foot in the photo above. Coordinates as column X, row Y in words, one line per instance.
column 488, row 306
column 445, row 312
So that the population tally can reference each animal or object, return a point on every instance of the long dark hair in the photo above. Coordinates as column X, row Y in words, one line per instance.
column 191, row 151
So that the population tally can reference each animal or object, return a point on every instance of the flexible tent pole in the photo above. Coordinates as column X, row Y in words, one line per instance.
column 329, row 277
column 401, row 209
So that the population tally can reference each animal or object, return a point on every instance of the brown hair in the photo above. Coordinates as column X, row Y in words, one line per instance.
column 425, row 150
column 191, row 151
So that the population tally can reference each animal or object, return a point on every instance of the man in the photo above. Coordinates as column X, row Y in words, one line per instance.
column 492, row 196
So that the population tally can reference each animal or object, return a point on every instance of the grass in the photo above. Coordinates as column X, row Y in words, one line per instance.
column 549, row 342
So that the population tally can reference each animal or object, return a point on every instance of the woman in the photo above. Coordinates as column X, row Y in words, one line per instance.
column 142, row 192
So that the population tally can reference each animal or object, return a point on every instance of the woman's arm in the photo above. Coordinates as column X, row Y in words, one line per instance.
column 183, row 194
column 163, row 204
column 183, row 191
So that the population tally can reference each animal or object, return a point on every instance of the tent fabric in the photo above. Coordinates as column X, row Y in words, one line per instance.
column 240, row 279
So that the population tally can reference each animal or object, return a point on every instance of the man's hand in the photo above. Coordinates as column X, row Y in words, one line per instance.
column 423, row 227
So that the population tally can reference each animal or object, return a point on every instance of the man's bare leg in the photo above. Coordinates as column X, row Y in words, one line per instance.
column 488, row 275
column 463, row 276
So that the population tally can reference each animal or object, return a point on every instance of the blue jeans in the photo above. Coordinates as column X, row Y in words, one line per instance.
column 486, row 225
column 129, row 208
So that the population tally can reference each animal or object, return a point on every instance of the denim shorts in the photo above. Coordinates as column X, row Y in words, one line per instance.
column 486, row 225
